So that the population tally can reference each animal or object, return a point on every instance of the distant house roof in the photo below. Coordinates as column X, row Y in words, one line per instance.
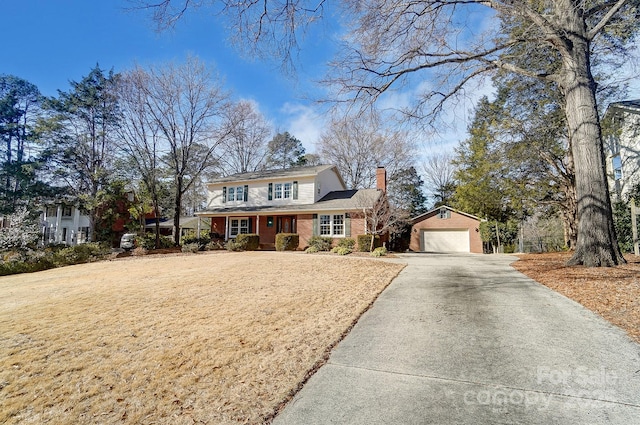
column 185, row 222
column 276, row 174
column 627, row 105
column 421, row 216
column 340, row 200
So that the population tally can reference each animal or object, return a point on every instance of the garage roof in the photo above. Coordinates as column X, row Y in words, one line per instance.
column 421, row 216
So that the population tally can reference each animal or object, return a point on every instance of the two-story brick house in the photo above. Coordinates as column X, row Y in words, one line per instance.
column 304, row 200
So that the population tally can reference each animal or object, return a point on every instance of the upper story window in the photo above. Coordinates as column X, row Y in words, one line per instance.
column 287, row 190
column 445, row 213
column 235, row 193
column 66, row 211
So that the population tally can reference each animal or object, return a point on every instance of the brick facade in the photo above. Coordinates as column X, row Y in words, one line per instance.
column 303, row 227
column 456, row 221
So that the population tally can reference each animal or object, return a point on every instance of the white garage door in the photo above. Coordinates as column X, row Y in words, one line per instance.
column 445, row 241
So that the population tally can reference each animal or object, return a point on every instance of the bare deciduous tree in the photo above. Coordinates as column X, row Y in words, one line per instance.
column 439, row 173
column 244, row 147
column 139, row 137
column 359, row 145
column 185, row 103
column 381, row 216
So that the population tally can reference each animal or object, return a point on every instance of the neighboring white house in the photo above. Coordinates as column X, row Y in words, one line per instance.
column 64, row 223
column 623, row 147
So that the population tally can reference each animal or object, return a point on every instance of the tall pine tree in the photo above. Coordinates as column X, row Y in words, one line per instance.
column 81, row 133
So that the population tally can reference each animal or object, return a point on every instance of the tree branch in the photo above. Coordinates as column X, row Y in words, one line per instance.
column 605, row 19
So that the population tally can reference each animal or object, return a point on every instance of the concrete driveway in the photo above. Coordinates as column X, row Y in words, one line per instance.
column 466, row 339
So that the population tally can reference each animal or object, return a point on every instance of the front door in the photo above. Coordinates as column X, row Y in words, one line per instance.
column 286, row 224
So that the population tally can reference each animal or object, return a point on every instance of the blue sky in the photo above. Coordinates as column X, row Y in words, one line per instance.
column 49, row 43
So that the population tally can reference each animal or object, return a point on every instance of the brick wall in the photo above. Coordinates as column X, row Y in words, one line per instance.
column 305, row 229
column 455, row 222
column 218, row 225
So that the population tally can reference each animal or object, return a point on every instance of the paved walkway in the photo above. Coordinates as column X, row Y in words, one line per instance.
column 464, row 339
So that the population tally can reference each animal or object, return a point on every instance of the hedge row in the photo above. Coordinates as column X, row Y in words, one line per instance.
column 34, row 261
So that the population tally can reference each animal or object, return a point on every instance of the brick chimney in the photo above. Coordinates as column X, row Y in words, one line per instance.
column 381, row 179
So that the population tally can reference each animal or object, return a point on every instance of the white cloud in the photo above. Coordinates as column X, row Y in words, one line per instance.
column 304, row 123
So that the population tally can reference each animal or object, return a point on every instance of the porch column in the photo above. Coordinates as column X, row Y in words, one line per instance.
column 58, row 235
column 76, row 225
column 226, row 228
column 257, row 225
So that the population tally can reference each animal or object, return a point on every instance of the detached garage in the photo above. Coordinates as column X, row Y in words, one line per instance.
column 445, row 229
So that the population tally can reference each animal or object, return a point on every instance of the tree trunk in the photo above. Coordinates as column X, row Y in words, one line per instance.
column 596, row 245
column 568, row 207
column 156, row 213
column 176, row 214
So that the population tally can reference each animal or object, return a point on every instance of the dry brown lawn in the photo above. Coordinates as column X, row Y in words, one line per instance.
column 210, row 338
column 612, row 292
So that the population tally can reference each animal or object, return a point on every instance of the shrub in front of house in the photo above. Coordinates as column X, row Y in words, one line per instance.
column 214, row 246
column 348, row 243
column 381, row 251
column 364, row 242
column 28, row 261
column 287, row 241
column 202, row 240
column 25, row 262
column 190, row 248
column 83, row 253
column 139, row 251
column 248, row 241
column 321, row 243
column 232, row 245
column 341, row 250
column 148, row 241
column 311, row 250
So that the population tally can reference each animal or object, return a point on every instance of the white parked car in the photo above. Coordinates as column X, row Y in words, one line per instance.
column 128, row 241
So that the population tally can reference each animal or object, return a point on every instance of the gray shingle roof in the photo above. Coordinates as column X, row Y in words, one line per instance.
column 628, row 105
column 423, row 215
column 274, row 174
column 340, row 200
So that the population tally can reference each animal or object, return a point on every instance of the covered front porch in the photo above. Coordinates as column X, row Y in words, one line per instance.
column 266, row 226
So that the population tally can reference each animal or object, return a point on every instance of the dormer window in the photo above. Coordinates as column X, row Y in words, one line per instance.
column 445, row 213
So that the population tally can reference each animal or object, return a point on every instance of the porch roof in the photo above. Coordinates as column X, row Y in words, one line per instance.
column 341, row 200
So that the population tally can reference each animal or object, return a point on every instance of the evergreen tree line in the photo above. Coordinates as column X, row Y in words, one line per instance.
column 516, row 169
